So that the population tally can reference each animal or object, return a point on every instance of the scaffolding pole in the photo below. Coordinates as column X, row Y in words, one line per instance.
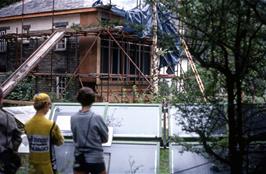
column 81, row 61
column 129, row 58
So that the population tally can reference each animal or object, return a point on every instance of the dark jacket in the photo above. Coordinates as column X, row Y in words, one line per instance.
column 10, row 135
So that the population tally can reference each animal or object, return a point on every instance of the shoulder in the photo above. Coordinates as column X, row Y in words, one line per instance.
column 2, row 112
column 94, row 115
column 28, row 122
column 74, row 116
column 48, row 122
column 97, row 117
column 53, row 125
column 5, row 113
column 9, row 116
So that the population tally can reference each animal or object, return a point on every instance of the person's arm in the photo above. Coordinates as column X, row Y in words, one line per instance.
column 73, row 130
column 102, row 129
column 15, row 133
column 57, row 137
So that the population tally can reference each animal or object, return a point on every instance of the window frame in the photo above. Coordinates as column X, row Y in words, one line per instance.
column 139, row 52
column 61, row 83
column 63, row 43
column 3, row 42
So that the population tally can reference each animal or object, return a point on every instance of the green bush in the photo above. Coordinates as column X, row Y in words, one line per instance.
column 24, row 90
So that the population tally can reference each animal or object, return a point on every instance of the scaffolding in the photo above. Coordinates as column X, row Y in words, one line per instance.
column 128, row 83
column 104, row 81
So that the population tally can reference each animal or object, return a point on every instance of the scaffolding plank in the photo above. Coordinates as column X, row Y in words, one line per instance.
column 31, row 62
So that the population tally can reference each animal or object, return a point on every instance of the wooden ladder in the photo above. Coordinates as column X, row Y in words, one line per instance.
column 194, row 69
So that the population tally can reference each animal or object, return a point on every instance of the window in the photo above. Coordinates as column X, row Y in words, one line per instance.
column 61, row 83
column 61, row 45
column 26, row 29
column 114, row 60
column 60, row 25
column 146, row 60
column 3, row 43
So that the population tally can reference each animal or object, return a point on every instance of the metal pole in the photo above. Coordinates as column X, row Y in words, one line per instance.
column 109, row 69
column 123, row 74
column 22, row 23
column 51, row 58
column 165, row 111
column 53, row 16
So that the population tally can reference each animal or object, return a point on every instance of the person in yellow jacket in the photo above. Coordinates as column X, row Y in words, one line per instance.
column 42, row 134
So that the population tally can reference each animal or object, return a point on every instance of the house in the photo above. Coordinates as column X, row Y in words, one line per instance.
column 112, row 62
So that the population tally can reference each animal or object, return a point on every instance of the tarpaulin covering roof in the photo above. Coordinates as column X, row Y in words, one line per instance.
column 165, row 27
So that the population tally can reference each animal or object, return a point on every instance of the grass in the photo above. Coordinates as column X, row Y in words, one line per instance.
column 164, row 161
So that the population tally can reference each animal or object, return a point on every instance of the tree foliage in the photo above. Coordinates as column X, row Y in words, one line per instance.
column 4, row 3
column 227, row 38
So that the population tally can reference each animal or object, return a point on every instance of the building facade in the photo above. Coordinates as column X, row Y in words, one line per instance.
column 106, row 59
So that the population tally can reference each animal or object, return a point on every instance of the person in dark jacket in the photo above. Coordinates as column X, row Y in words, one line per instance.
column 89, row 132
column 10, row 135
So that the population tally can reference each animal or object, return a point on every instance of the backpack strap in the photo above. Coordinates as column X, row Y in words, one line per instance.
column 52, row 153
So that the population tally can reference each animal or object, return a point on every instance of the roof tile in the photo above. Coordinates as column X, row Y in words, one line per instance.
column 34, row 6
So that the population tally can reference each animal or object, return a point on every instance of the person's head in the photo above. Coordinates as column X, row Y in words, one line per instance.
column 41, row 101
column 86, row 96
column 1, row 96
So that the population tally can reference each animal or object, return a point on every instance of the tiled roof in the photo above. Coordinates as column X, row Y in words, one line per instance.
column 35, row 6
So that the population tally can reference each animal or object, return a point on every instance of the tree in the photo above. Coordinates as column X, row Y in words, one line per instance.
column 155, row 57
column 4, row 3
column 228, row 37
column 259, row 8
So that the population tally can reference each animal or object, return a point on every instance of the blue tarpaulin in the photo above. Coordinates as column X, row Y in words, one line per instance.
column 166, row 27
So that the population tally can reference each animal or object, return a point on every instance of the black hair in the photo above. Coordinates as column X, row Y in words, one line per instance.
column 86, row 96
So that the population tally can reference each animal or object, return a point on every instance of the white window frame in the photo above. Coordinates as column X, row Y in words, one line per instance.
column 61, row 45
column 61, row 83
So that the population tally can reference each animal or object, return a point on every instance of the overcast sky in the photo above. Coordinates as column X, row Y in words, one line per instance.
column 124, row 4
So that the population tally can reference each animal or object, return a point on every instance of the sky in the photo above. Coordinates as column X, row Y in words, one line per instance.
column 124, row 4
